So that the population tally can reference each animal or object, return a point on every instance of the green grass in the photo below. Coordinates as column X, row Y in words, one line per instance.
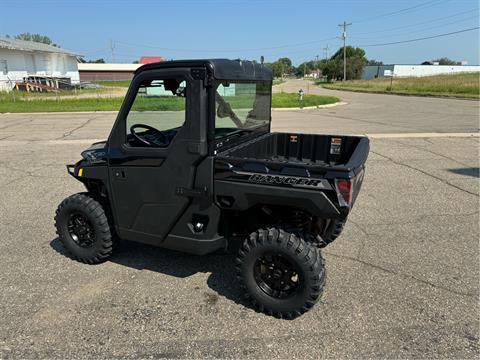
column 287, row 100
column 160, row 103
column 9, row 104
column 23, row 95
column 456, row 85
column 115, row 83
column 322, row 82
column 278, row 81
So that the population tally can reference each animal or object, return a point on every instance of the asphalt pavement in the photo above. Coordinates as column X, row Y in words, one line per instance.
column 402, row 280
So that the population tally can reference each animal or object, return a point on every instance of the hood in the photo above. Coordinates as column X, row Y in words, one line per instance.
column 96, row 153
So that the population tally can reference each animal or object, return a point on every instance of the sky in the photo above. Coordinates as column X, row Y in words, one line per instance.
column 124, row 30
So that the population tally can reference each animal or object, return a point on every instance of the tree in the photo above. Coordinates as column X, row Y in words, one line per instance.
column 374, row 62
column 35, row 38
column 331, row 69
column 306, row 68
column 356, row 60
column 287, row 65
column 447, row 61
column 96, row 61
column 277, row 69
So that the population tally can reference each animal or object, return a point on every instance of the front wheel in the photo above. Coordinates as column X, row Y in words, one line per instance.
column 82, row 227
column 281, row 274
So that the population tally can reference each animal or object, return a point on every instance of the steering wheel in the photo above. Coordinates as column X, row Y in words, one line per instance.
column 163, row 137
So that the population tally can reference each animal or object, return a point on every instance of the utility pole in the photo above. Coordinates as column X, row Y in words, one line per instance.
column 344, row 36
column 316, row 65
column 112, row 49
column 325, row 50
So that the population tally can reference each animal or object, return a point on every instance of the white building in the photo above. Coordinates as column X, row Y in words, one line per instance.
column 373, row 71
column 19, row 59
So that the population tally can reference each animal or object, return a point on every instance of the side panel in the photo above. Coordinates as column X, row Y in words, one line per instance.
column 242, row 196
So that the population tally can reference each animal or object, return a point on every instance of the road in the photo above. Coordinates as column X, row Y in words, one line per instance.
column 374, row 113
column 403, row 278
column 363, row 114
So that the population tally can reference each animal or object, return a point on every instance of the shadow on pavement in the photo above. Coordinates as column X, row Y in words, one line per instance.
column 145, row 257
column 473, row 171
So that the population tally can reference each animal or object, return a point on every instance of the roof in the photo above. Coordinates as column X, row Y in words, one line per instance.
column 222, row 69
column 150, row 59
column 466, row 65
column 22, row 45
column 107, row 67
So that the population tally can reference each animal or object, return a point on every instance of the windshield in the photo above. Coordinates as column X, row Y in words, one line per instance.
column 242, row 107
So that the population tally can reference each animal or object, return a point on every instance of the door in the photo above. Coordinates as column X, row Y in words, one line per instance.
column 154, row 147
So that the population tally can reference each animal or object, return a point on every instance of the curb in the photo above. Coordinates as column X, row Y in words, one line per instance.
column 422, row 135
column 61, row 112
column 404, row 94
column 116, row 111
column 312, row 107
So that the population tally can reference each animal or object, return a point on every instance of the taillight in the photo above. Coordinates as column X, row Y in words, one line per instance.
column 344, row 191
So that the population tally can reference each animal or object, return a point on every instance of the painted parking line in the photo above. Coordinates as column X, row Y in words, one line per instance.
column 421, row 135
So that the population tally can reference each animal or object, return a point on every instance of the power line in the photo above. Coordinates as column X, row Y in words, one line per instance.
column 226, row 50
column 325, row 50
column 423, row 38
column 292, row 45
column 112, row 49
column 419, row 23
column 401, row 11
column 422, row 29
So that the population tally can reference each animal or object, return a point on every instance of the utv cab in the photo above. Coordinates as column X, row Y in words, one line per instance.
column 191, row 165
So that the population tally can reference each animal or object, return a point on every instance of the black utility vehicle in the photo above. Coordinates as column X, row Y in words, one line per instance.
column 191, row 165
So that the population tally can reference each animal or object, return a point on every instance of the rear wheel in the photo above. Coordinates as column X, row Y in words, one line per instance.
column 333, row 229
column 280, row 272
column 82, row 227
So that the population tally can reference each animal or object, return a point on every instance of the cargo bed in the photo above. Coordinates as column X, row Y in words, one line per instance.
column 304, row 150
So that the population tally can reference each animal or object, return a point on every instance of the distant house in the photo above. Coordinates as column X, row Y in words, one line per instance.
column 374, row 71
column 150, row 59
column 22, row 59
column 106, row 72
column 113, row 72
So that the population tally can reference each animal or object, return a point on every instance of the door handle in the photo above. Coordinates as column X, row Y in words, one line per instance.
column 181, row 191
column 119, row 174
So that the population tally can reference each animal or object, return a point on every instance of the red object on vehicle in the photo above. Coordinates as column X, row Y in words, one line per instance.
column 345, row 189
column 150, row 59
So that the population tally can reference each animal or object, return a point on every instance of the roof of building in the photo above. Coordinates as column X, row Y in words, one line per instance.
column 22, row 45
column 464, row 65
column 107, row 67
column 222, row 69
column 150, row 59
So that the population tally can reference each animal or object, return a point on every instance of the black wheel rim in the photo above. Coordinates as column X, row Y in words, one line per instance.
column 276, row 275
column 81, row 230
